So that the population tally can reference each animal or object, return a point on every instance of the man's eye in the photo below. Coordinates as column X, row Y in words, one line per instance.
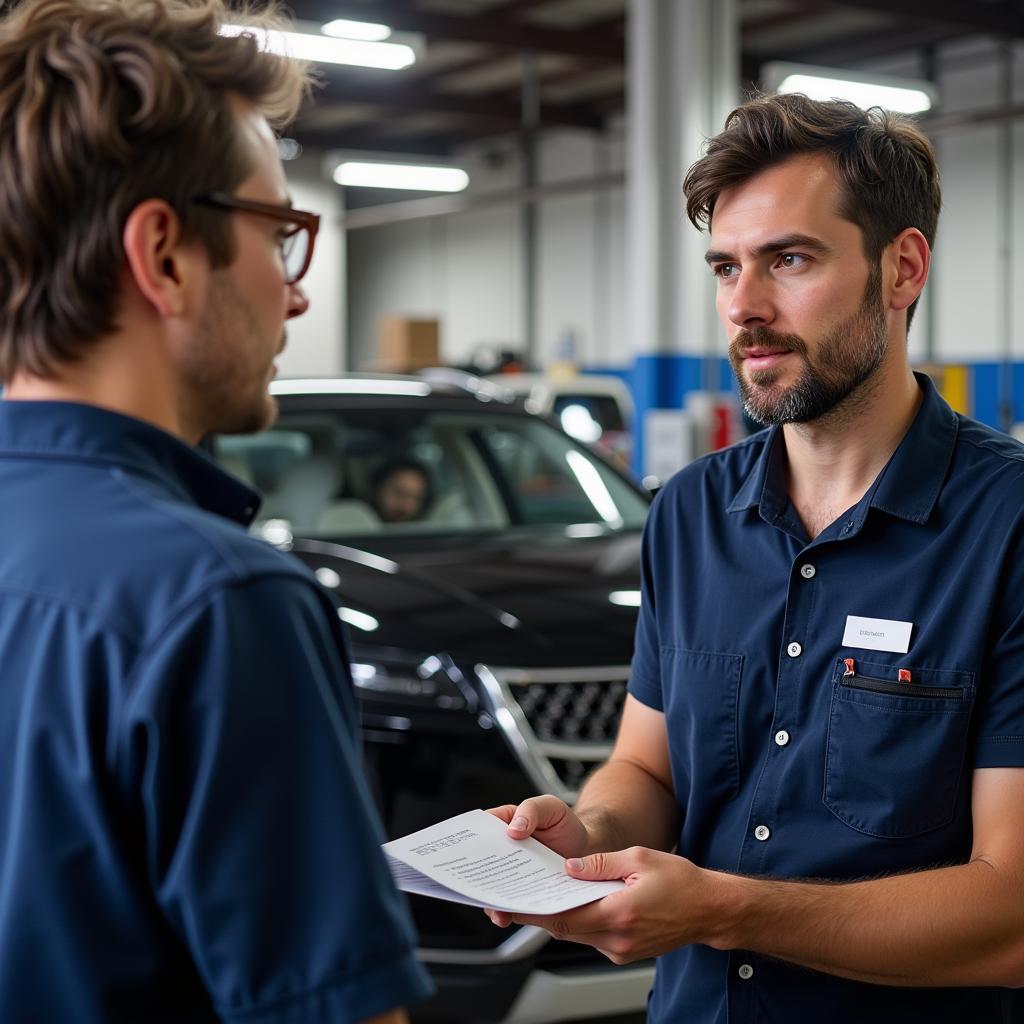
column 724, row 270
column 791, row 259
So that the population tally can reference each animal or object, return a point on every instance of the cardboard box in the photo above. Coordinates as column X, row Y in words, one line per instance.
column 405, row 345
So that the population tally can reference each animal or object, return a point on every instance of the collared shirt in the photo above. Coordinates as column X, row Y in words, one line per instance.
column 184, row 830
column 788, row 762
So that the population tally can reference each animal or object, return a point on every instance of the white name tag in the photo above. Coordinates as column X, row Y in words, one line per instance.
column 877, row 634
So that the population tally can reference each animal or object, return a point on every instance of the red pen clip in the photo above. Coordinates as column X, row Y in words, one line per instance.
column 904, row 676
column 849, row 663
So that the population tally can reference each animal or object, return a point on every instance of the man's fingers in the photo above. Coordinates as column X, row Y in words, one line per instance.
column 536, row 813
column 605, row 866
column 505, row 812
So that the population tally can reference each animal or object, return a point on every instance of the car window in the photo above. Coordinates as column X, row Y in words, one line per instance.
column 552, row 481
column 603, row 410
column 353, row 472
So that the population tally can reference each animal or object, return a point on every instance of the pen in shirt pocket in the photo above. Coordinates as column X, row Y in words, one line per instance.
column 903, row 675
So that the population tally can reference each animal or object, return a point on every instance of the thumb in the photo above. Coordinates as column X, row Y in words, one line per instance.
column 601, row 866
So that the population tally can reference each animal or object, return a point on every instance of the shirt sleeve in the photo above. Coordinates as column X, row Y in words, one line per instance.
column 1000, row 712
column 645, row 673
column 262, row 842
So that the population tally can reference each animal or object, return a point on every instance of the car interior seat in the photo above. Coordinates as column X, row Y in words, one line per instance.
column 303, row 491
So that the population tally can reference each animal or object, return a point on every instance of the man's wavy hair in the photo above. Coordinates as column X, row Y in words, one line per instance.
column 886, row 166
column 104, row 104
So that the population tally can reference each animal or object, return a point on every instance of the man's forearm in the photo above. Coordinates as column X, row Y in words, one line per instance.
column 960, row 925
column 623, row 805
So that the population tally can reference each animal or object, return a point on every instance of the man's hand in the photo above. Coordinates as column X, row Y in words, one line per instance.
column 668, row 903
column 549, row 820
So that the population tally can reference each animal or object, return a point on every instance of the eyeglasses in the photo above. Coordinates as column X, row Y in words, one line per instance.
column 296, row 244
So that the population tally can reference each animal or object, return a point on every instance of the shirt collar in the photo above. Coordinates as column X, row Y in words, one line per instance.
column 907, row 487
column 88, row 433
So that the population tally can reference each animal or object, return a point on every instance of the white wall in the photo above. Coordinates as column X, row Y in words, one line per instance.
column 467, row 269
column 974, row 314
column 316, row 341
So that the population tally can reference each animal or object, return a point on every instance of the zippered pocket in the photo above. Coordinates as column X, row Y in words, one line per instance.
column 872, row 685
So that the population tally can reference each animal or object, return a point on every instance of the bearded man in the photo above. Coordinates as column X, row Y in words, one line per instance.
column 816, row 797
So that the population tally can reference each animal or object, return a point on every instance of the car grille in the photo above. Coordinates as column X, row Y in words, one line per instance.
column 563, row 721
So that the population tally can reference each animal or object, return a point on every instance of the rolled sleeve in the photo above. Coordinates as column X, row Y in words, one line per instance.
column 262, row 843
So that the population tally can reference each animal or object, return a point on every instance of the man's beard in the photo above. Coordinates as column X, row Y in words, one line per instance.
column 223, row 393
column 847, row 357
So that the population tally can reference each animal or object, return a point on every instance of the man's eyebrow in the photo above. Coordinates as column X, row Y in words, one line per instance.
column 793, row 241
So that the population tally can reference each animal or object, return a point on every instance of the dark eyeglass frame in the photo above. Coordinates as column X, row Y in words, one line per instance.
column 302, row 219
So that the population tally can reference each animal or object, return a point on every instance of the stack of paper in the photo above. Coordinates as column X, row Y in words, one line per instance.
column 470, row 859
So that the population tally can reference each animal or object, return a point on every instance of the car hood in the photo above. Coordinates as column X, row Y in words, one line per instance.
column 527, row 601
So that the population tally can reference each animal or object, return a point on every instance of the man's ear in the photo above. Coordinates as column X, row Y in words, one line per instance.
column 909, row 260
column 160, row 265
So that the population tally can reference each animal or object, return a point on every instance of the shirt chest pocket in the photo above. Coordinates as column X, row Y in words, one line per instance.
column 702, row 692
column 895, row 752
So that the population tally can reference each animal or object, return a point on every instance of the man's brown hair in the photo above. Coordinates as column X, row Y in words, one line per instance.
column 104, row 104
column 886, row 166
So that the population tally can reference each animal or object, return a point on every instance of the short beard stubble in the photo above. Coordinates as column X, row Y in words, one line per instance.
column 847, row 358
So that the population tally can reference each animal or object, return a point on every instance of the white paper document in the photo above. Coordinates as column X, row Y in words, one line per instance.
column 470, row 859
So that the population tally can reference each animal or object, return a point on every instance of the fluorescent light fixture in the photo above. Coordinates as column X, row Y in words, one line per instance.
column 326, row 50
column 903, row 95
column 626, row 598
column 413, row 177
column 409, row 388
column 368, row 31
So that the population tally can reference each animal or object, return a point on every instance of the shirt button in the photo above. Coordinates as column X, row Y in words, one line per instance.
column 746, row 972
column 762, row 832
column 794, row 650
column 807, row 571
column 782, row 737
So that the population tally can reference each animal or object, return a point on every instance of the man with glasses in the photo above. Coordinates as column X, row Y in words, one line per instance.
column 184, row 833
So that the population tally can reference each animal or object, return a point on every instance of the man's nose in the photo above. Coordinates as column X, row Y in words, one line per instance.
column 750, row 303
column 298, row 302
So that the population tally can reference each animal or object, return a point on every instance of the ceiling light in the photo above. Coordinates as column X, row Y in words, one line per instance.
column 903, row 95
column 326, row 50
column 404, row 176
column 365, row 30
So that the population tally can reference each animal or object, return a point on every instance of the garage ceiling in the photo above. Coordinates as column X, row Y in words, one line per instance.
column 480, row 54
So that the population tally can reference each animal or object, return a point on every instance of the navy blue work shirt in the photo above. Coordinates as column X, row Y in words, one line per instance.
column 184, row 830
column 787, row 762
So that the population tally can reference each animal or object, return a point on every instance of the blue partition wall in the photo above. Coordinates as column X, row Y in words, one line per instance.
column 663, row 381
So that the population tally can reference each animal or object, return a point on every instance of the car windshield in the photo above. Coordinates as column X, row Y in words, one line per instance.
column 353, row 472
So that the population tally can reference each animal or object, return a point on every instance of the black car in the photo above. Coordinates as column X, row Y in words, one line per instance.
column 491, row 634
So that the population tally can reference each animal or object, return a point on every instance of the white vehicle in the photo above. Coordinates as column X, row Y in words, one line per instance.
column 594, row 408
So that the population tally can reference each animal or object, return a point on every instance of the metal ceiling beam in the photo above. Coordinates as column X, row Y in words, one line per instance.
column 904, row 37
column 366, row 137
column 417, row 96
column 1003, row 19
column 504, row 32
